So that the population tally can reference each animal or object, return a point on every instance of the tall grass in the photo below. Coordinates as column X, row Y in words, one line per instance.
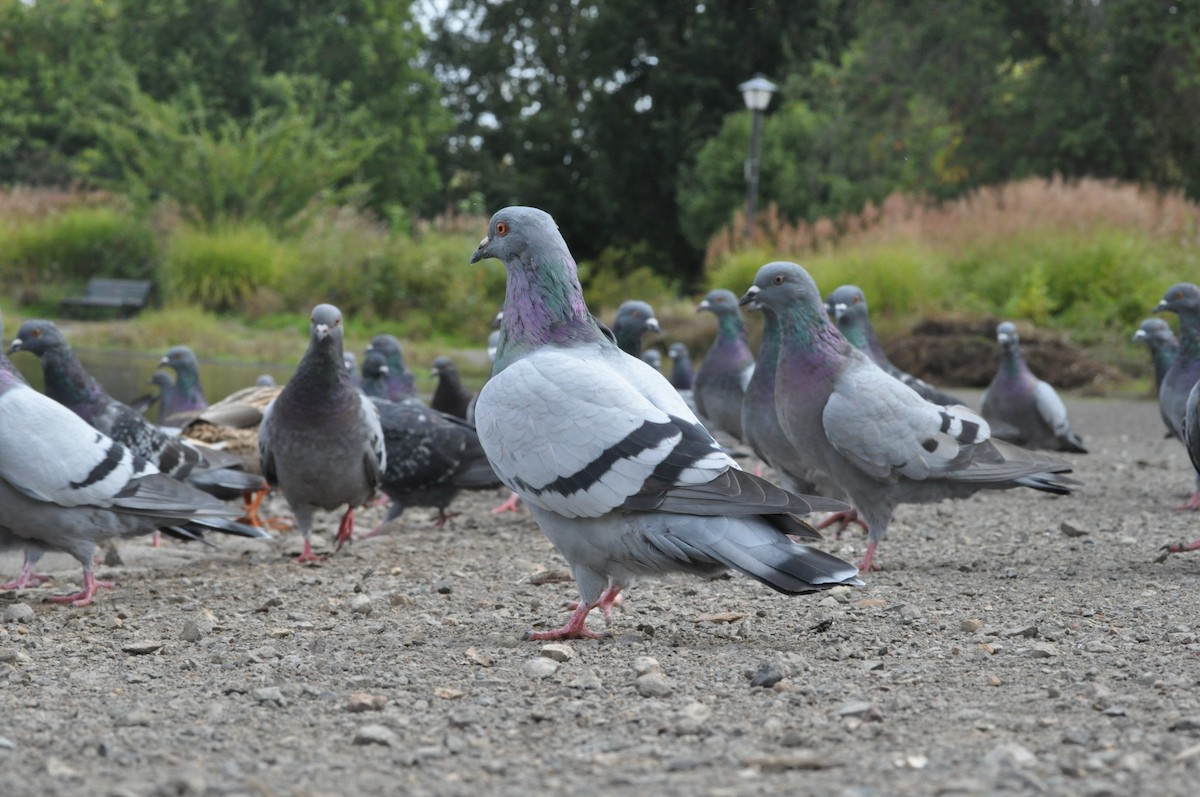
column 1086, row 255
column 74, row 242
column 224, row 269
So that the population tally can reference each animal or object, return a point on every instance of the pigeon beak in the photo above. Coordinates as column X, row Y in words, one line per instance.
column 481, row 251
column 1139, row 336
column 750, row 297
column 839, row 310
column 322, row 331
column 1158, row 308
column 383, row 369
column 704, row 305
column 14, row 346
column 652, row 325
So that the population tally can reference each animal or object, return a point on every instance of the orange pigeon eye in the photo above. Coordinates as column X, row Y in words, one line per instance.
column 37, row 333
column 501, row 228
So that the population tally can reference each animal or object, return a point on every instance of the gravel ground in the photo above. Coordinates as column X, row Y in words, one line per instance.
column 1014, row 642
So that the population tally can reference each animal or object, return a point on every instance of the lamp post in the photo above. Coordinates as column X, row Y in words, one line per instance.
column 757, row 93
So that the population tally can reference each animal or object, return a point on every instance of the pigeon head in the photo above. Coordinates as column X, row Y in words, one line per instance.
column 786, row 288
column 1183, row 297
column 522, row 235
column 653, row 358
column 638, row 315
column 720, row 302
column 350, row 361
column 37, row 337
column 264, row 380
column 180, row 358
column 325, row 327
column 1006, row 335
column 678, row 350
column 374, row 365
column 846, row 302
column 444, row 366
column 389, row 346
column 161, row 379
column 1154, row 332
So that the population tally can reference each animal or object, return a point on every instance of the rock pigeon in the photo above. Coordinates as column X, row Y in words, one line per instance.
column 1182, row 299
column 681, row 366
column 870, row 434
column 1160, row 340
column 393, row 382
column 449, row 396
column 431, row 455
column 723, row 376
column 351, row 363
column 1028, row 409
column 653, row 358
column 634, row 319
column 1191, row 439
column 266, row 380
column 184, row 399
column 320, row 440
column 159, row 380
column 6, row 364
column 65, row 487
column 617, row 471
column 847, row 306
column 69, row 383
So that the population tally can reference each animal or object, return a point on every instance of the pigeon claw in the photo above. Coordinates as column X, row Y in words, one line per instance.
column 85, row 595
column 576, row 627
column 1178, row 547
column 307, row 556
column 345, row 532
column 511, row 505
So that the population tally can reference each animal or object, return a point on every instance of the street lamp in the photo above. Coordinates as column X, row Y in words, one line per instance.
column 757, row 92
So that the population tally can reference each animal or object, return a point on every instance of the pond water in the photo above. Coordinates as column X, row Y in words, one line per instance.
column 126, row 375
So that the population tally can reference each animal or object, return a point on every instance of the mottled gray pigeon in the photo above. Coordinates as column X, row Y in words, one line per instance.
column 871, row 435
column 634, row 319
column 184, row 399
column 69, row 383
column 723, row 376
column 617, row 471
column 320, row 440
column 681, row 366
column 431, row 455
column 449, row 396
column 1160, row 340
column 1028, row 409
column 847, row 306
column 1182, row 299
column 65, row 487
column 394, row 382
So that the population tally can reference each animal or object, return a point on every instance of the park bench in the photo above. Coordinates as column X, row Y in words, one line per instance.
column 124, row 296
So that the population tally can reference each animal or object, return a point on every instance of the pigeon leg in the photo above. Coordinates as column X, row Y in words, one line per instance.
column 611, row 598
column 868, row 561
column 251, row 502
column 28, row 578
column 511, row 505
column 345, row 532
column 307, row 554
column 576, row 627
column 85, row 595
column 156, row 539
column 842, row 519
column 1178, row 547
column 443, row 516
column 1193, row 503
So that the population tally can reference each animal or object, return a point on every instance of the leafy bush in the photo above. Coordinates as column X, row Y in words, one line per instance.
column 76, row 244
column 222, row 269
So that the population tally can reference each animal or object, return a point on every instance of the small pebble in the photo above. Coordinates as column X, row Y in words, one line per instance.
column 361, row 604
column 767, row 676
column 691, row 720
column 142, row 647
column 376, row 734
column 539, row 667
column 443, row 586
column 364, row 701
column 269, row 694
column 645, row 664
column 557, row 652
column 654, row 684
column 970, row 626
column 191, row 632
column 18, row 613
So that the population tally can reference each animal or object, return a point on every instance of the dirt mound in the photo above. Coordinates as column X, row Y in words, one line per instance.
column 963, row 352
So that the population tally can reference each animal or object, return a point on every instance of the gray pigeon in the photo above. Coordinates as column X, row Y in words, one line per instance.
column 145, row 402
column 1182, row 299
column 1191, row 439
column 449, row 396
column 184, row 398
column 653, row 358
column 723, row 376
column 869, row 434
column 616, row 470
column 65, row 487
column 320, row 440
column 351, row 363
column 847, row 306
column 682, row 377
column 431, row 455
column 1160, row 340
column 69, row 383
column 393, row 382
column 28, row 577
column 634, row 319
column 1028, row 409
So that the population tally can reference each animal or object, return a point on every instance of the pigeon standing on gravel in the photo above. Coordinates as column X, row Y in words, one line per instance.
column 634, row 319
column 394, row 382
column 183, row 400
column 1017, row 400
column 617, row 471
column 65, row 487
column 847, row 306
column 449, row 396
column 320, row 440
column 681, row 366
column 1183, row 299
column 1160, row 340
column 70, row 384
column 869, row 434
column 723, row 376
column 431, row 455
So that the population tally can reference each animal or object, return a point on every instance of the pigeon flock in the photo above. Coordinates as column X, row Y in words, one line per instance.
column 615, row 460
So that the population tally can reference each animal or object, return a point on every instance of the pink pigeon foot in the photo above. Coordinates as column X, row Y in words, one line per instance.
column 611, row 598
column 843, row 520
column 28, row 578
column 307, row 556
column 85, row 595
column 1193, row 503
column 868, row 562
column 345, row 532
column 443, row 516
column 576, row 627
column 511, row 505
column 1178, row 547
column 156, row 540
